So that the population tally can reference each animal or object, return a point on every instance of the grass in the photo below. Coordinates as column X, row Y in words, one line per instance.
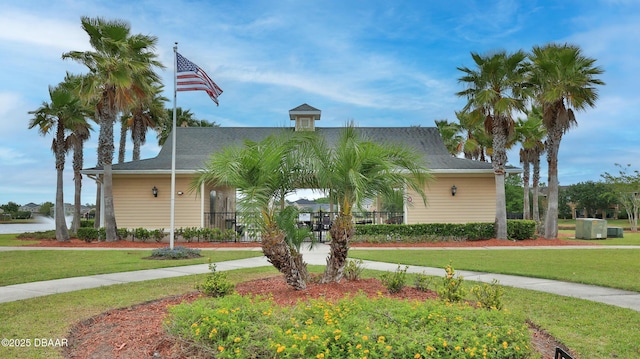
column 9, row 240
column 630, row 238
column 594, row 330
column 38, row 265
column 53, row 316
column 617, row 268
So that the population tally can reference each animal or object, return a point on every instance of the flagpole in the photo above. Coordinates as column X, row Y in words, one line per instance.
column 173, row 150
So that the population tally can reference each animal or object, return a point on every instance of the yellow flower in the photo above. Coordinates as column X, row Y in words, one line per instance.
column 320, row 356
column 220, row 348
column 444, row 343
column 381, row 339
column 281, row 348
column 358, row 346
column 388, row 347
column 417, row 356
column 364, row 337
column 237, row 340
column 505, row 345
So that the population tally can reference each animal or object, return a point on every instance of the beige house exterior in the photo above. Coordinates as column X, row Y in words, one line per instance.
column 137, row 204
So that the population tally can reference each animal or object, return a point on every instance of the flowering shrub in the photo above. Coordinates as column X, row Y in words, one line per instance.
column 451, row 289
column 216, row 283
column 488, row 295
column 355, row 327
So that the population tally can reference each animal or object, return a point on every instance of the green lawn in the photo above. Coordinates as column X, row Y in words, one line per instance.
column 617, row 268
column 36, row 265
column 9, row 240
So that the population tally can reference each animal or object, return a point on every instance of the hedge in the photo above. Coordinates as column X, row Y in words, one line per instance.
column 437, row 232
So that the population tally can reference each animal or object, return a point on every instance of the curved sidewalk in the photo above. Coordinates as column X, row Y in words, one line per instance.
column 317, row 256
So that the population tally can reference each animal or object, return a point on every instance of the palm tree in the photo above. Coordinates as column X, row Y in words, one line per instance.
column 477, row 142
column 80, row 132
column 184, row 118
column 263, row 174
column 356, row 169
column 120, row 69
column 63, row 110
column 531, row 133
column 494, row 92
column 450, row 133
column 563, row 79
column 147, row 113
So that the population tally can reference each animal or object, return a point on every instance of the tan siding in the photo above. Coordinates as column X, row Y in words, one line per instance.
column 474, row 201
column 136, row 207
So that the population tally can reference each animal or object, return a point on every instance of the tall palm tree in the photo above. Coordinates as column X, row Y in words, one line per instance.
column 263, row 174
column 146, row 114
column 184, row 118
column 356, row 169
column 64, row 109
column 120, row 66
column 494, row 92
column 80, row 132
column 531, row 134
column 563, row 80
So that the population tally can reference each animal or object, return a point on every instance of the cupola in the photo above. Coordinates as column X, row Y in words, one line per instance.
column 305, row 117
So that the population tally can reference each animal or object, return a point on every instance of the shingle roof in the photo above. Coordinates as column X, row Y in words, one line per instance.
column 196, row 144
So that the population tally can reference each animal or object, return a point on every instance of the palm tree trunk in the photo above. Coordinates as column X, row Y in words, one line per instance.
column 62, row 233
column 501, row 208
column 341, row 232
column 526, row 207
column 123, row 142
column 536, row 192
column 98, row 215
column 77, row 202
column 77, row 179
column 498, row 161
column 551, row 219
column 290, row 264
column 109, row 210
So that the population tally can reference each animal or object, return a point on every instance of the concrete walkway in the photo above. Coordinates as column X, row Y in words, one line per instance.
column 317, row 256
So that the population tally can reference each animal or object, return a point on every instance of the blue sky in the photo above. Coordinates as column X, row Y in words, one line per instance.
column 378, row 63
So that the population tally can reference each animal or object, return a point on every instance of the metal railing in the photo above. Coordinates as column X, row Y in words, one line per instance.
column 319, row 222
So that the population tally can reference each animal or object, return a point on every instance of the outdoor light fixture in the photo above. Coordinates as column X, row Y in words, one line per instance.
column 454, row 189
column 154, row 190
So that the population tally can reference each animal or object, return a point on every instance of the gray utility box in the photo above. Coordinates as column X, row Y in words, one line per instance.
column 615, row 232
column 591, row 228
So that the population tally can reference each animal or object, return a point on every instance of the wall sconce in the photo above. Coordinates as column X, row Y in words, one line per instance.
column 154, row 190
column 180, row 193
column 454, row 189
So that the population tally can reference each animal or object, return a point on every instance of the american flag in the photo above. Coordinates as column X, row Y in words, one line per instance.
column 192, row 78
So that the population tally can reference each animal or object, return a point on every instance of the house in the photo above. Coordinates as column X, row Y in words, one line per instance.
column 463, row 190
column 30, row 207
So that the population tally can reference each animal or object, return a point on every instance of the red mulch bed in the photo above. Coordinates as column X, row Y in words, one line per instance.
column 137, row 332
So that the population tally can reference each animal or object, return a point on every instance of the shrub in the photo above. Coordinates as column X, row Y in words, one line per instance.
column 488, row 296
column 88, row 234
column 157, row 234
column 141, row 233
column 87, row 223
column 521, row 229
column 216, row 284
column 354, row 327
column 123, row 233
column 451, row 289
column 422, row 282
column 41, row 235
column 394, row 282
column 353, row 269
column 175, row 253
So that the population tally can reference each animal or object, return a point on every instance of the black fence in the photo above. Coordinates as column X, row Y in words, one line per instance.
column 319, row 222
